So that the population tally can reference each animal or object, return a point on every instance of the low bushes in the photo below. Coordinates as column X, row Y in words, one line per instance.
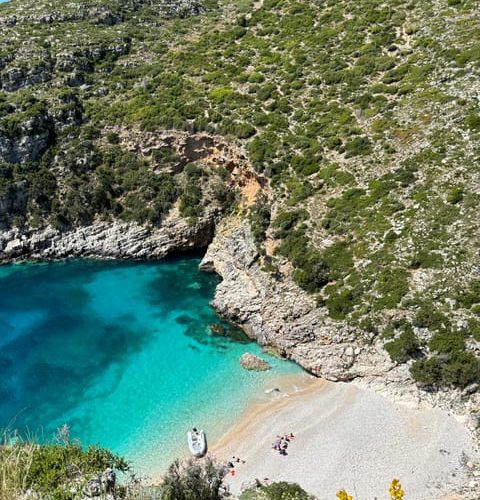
column 260, row 215
column 404, row 347
column 459, row 368
column 191, row 197
column 193, row 480
column 276, row 491
column 55, row 471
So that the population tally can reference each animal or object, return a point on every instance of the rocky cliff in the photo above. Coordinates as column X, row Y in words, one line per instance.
column 326, row 151
column 109, row 240
column 277, row 313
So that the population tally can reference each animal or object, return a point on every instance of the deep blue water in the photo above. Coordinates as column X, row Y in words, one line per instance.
column 123, row 353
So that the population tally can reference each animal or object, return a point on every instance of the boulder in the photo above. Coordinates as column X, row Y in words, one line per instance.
column 251, row 362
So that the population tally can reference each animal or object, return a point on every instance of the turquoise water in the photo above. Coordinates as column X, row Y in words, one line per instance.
column 123, row 353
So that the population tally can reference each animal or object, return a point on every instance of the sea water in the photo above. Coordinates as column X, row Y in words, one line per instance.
column 122, row 352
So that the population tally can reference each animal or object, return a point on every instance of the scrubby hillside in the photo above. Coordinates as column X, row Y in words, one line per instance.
column 361, row 120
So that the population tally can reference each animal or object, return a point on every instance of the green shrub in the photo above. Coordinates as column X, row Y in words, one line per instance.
column 473, row 329
column 458, row 369
column 455, row 195
column 313, row 275
column 260, row 214
column 473, row 121
column 193, row 481
column 429, row 317
column 345, row 210
column 285, row 221
column 339, row 260
column 462, row 369
column 191, row 198
column 113, row 138
column 51, row 466
column 447, row 341
column 340, row 304
column 392, row 285
column 404, row 347
column 426, row 259
column 469, row 295
column 276, row 491
column 306, row 164
column 244, row 130
column 428, row 371
column 358, row 146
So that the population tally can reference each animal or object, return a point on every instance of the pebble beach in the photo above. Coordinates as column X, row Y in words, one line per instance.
column 351, row 438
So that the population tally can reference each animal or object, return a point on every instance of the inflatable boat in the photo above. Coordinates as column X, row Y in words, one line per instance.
column 197, row 442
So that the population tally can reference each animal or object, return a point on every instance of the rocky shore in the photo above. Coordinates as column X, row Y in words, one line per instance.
column 271, row 309
column 109, row 240
column 277, row 313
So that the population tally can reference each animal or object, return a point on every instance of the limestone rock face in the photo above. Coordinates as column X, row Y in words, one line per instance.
column 276, row 312
column 109, row 239
column 251, row 362
column 29, row 142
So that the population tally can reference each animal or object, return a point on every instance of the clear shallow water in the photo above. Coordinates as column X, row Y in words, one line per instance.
column 123, row 353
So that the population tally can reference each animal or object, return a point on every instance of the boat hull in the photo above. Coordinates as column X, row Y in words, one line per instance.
column 197, row 443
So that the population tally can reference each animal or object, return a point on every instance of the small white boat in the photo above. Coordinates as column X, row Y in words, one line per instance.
column 197, row 442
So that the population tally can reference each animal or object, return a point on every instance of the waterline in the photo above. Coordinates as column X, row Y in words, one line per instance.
column 123, row 353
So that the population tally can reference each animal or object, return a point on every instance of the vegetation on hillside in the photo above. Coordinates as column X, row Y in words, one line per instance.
column 361, row 115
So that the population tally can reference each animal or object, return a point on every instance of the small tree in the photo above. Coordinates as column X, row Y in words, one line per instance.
column 193, row 480
column 276, row 491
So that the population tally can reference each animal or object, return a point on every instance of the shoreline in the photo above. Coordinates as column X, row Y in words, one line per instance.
column 375, row 385
column 352, row 438
column 286, row 383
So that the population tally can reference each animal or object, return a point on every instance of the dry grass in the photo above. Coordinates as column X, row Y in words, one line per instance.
column 16, row 458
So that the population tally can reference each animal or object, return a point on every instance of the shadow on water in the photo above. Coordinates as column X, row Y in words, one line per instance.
column 169, row 289
column 47, row 365
column 70, row 332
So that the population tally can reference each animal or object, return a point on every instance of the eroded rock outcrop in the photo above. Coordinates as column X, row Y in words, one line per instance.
column 109, row 239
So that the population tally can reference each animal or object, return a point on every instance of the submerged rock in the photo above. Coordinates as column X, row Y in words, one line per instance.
column 251, row 362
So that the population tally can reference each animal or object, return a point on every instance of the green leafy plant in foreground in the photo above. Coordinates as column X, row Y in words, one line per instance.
column 56, row 471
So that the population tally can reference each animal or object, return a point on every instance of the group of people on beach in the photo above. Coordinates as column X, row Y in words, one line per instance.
column 229, row 468
column 282, row 442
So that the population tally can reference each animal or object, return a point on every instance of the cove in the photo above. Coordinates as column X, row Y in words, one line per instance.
column 124, row 354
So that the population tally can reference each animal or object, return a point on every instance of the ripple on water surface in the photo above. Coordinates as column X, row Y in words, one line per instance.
column 123, row 353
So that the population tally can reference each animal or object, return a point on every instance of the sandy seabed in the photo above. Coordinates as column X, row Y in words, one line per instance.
column 347, row 437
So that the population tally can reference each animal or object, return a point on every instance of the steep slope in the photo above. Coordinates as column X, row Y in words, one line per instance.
column 356, row 123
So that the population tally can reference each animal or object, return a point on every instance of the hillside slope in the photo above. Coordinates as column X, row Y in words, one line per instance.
column 350, row 130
